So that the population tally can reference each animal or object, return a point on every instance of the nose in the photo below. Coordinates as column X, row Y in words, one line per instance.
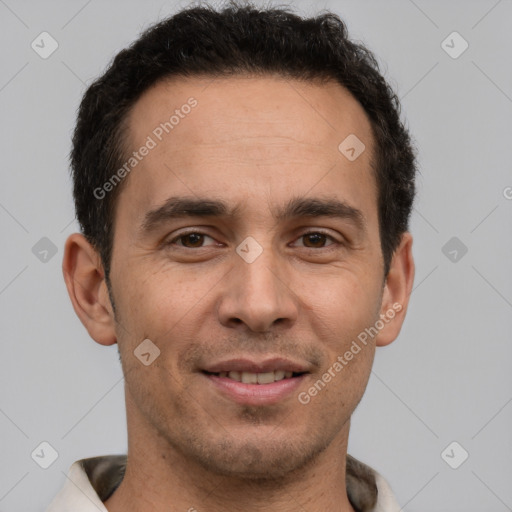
column 258, row 295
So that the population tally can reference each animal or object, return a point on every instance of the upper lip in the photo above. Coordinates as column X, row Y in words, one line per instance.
column 253, row 366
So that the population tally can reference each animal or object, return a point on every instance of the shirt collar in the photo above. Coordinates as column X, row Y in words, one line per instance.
column 92, row 481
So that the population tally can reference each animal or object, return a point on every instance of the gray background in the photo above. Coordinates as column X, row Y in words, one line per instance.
column 447, row 377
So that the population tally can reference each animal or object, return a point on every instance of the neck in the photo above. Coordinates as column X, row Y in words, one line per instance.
column 153, row 483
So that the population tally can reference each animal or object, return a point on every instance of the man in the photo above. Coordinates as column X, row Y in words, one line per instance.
column 243, row 184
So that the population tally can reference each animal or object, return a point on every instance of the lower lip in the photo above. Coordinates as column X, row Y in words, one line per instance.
column 256, row 394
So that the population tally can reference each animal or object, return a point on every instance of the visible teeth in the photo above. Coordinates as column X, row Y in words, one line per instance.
column 257, row 378
column 235, row 376
column 249, row 378
column 265, row 378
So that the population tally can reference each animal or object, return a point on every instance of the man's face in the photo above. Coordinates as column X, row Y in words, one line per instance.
column 213, row 302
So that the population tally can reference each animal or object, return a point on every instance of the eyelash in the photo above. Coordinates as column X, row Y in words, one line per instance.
column 315, row 232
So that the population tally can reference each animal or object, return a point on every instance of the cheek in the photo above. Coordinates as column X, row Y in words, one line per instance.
column 340, row 328
column 342, row 308
column 344, row 384
column 163, row 306
column 339, row 322
column 160, row 294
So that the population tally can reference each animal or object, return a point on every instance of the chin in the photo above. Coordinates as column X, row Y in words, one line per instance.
column 258, row 459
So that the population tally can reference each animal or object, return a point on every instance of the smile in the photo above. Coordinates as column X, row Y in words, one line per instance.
column 257, row 378
column 247, row 388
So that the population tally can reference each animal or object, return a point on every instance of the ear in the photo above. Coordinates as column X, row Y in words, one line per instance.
column 87, row 289
column 396, row 293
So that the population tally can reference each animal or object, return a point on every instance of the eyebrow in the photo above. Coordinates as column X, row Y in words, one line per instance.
column 298, row 207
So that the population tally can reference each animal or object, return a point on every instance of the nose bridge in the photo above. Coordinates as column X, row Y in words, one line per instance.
column 256, row 292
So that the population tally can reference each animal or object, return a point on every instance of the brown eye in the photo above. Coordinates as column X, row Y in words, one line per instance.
column 192, row 240
column 315, row 240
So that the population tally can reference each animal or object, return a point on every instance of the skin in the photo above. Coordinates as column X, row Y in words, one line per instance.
column 255, row 142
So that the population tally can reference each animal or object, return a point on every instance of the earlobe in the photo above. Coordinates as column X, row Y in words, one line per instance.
column 87, row 289
column 397, row 290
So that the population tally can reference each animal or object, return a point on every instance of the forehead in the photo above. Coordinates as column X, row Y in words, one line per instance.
column 315, row 113
column 263, row 133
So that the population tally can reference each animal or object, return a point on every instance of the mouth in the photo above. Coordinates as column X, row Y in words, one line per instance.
column 261, row 378
column 248, row 382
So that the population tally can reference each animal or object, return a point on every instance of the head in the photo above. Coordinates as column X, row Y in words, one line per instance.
column 231, row 125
